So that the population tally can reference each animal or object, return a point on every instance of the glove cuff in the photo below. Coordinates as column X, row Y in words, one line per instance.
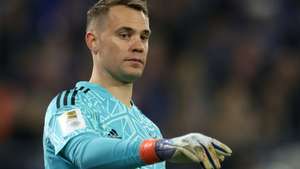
column 164, row 149
column 148, row 151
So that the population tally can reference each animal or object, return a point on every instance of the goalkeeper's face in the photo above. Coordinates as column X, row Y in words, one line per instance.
column 122, row 44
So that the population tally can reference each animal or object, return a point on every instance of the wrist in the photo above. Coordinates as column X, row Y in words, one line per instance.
column 152, row 150
column 164, row 149
column 148, row 151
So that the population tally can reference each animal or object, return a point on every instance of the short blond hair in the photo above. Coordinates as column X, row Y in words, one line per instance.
column 103, row 6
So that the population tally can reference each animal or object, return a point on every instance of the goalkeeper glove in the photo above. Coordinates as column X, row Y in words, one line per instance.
column 194, row 147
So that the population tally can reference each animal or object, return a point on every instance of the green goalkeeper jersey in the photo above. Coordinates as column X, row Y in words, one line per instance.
column 88, row 128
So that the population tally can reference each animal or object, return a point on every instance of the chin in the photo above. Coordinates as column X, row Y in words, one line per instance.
column 131, row 77
column 129, row 74
column 134, row 72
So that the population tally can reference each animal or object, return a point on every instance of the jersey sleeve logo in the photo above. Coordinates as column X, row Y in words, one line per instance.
column 70, row 121
column 113, row 134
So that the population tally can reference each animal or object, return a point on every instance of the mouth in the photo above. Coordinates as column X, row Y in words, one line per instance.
column 135, row 60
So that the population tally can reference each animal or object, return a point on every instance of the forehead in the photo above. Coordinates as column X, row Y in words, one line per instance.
column 122, row 16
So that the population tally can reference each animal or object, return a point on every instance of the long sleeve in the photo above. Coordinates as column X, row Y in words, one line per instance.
column 89, row 151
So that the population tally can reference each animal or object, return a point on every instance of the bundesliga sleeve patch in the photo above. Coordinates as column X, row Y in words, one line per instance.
column 70, row 121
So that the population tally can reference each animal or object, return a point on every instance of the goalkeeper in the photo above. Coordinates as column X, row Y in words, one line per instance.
column 96, row 125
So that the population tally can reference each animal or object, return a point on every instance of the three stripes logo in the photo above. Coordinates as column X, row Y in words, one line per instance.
column 68, row 97
column 113, row 134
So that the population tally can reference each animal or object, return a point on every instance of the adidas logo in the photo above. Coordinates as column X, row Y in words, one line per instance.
column 113, row 134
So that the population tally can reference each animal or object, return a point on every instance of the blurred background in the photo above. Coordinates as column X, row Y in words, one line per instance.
column 226, row 68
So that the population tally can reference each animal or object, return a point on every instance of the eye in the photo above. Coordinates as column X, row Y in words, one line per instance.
column 124, row 35
column 145, row 37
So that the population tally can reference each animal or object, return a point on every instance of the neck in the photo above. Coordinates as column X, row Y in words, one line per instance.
column 122, row 91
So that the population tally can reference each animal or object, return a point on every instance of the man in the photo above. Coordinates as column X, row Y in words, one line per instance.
column 96, row 125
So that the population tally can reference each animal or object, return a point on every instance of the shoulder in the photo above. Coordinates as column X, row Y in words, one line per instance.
column 67, row 105
column 68, row 99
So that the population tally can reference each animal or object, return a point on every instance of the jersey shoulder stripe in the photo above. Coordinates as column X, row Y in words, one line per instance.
column 58, row 100
column 68, row 97
column 73, row 97
column 86, row 90
column 74, row 94
column 81, row 88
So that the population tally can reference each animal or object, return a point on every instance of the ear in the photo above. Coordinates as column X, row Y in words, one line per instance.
column 91, row 42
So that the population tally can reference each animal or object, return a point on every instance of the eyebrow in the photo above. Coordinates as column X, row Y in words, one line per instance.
column 129, row 29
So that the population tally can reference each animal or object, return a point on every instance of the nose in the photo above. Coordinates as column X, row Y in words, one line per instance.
column 137, row 46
